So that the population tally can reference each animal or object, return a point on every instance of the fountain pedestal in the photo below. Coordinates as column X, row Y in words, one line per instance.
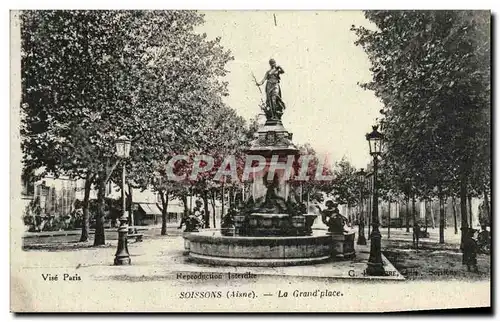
column 213, row 248
column 272, row 210
column 342, row 245
column 210, row 247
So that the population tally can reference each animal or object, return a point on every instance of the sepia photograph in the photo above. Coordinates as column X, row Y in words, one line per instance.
column 250, row 161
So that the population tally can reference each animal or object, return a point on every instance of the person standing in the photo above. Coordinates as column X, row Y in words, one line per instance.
column 416, row 234
column 470, row 251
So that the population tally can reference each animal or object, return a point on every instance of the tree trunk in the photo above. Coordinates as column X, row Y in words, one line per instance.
column 425, row 214
column 223, row 195
column 99, row 238
column 191, row 200
column 212, row 201
column 358, row 210
column 454, row 206
column 432, row 216
column 389, row 222
column 370, row 201
column 204, row 196
column 441, row 220
column 407, row 215
column 445, row 207
column 185, row 203
column 469, row 201
column 85, row 206
column 415, row 240
column 463, row 209
column 398, row 212
column 487, row 206
column 164, row 211
column 130, row 201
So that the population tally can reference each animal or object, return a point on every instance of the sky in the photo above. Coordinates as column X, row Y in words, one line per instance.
column 324, row 105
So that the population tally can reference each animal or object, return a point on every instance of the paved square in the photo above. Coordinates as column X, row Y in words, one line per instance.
column 163, row 258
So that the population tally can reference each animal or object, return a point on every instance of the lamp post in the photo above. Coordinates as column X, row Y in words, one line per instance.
column 361, row 220
column 122, row 256
column 375, row 265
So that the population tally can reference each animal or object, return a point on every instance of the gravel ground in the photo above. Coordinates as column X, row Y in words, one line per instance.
column 433, row 261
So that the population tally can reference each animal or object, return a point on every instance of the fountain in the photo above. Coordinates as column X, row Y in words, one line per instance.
column 271, row 227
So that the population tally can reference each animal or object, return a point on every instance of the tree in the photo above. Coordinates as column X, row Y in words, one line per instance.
column 431, row 70
column 183, row 85
column 64, row 112
column 146, row 74
column 345, row 186
column 389, row 189
column 312, row 189
column 224, row 135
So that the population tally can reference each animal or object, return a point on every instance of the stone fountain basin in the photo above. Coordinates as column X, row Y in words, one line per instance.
column 211, row 247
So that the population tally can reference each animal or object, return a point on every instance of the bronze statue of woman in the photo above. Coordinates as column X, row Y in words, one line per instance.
column 274, row 102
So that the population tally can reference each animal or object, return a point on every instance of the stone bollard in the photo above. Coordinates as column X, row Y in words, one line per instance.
column 337, row 250
column 342, row 245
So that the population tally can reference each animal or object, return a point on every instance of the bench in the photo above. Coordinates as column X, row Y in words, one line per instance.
column 138, row 237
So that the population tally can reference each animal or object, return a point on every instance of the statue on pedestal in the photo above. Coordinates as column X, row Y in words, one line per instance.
column 332, row 218
column 274, row 102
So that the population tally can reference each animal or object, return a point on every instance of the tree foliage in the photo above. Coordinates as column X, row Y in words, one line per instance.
column 90, row 76
column 346, row 185
column 431, row 70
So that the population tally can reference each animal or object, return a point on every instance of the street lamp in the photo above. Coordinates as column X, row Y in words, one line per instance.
column 122, row 256
column 375, row 265
column 361, row 220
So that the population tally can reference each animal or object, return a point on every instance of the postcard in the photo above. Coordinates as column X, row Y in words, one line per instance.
column 250, row 161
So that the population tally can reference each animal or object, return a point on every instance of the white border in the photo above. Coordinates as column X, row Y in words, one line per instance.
column 185, row 4
column 253, row 4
